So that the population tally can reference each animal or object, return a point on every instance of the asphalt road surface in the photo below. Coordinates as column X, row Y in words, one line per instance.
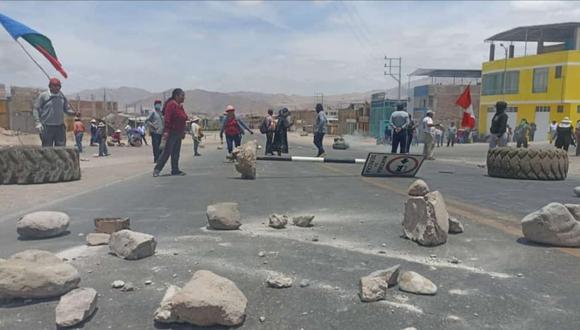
column 501, row 282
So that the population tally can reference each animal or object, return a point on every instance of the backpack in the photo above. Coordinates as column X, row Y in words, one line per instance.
column 231, row 127
column 264, row 126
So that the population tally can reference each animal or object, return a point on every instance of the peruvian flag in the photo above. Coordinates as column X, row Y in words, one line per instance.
column 464, row 101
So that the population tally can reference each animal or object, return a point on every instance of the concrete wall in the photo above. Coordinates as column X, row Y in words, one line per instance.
column 441, row 99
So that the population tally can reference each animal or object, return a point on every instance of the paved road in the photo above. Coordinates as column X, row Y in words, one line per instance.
column 501, row 283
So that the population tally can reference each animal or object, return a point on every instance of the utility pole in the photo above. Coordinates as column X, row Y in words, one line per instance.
column 504, row 69
column 318, row 96
column 393, row 64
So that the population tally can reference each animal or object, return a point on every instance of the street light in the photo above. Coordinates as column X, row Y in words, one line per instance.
column 504, row 68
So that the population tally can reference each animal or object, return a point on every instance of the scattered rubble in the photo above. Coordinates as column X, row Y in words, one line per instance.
column 261, row 254
column 414, row 283
column 426, row 220
column 304, row 284
column 208, row 299
column 303, row 220
column 373, row 287
column 76, row 306
column 245, row 157
column 118, row 284
column 455, row 226
column 262, row 319
column 148, row 282
column 164, row 313
column 36, row 274
column 132, row 245
column 223, row 216
column 555, row 224
column 418, row 188
column 128, row 287
column 279, row 281
column 95, row 239
column 42, row 224
column 278, row 221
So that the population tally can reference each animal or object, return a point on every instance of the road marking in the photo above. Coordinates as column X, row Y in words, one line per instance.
column 503, row 222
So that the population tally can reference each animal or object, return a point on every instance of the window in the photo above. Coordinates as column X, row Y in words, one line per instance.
column 558, row 72
column 511, row 109
column 560, row 108
column 493, row 83
column 540, row 80
column 578, row 109
column 543, row 108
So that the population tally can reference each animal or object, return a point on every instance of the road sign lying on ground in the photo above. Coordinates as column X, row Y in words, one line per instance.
column 376, row 164
column 384, row 165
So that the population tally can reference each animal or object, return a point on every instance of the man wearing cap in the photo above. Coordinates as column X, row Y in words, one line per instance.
column 233, row 127
column 155, row 124
column 499, row 126
column 196, row 134
column 93, row 132
column 428, row 135
column 48, row 112
column 399, row 121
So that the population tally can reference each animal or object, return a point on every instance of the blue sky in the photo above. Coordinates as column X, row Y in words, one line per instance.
column 275, row 47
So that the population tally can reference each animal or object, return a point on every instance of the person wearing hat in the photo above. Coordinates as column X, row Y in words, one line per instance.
column 48, row 112
column 93, row 132
column 116, row 137
column 499, row 126
column 102, row 139
column 564, row 136
column 155, row 124
column 233, row 127
column 399, row 121
column 196, row 134
column 79, row 130
column 428, row 135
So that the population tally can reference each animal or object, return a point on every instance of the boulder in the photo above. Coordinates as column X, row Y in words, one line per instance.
column 414, row 283
column 224, row 216
column 278, row 221
column 132, row 245
column 426, row 220
column 35, row 274
column 279, row 281
column 455, row 226
column 42, row 224
column 554, row 224
column 389, row 275
column 76, row 306
column 164, row 313
column 208, row 299
column 418, row 188
column 372, row 289
column 245, row 157
column 95, row 239
column 577, row 191
column 303, row 220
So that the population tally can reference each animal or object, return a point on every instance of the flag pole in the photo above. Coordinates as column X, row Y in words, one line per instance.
column 33, row 60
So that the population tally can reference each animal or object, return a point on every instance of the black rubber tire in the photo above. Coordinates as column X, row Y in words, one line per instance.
column 527, row 164
column 31, row 165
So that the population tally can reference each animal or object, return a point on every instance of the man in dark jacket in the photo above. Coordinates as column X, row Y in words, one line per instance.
column 498, row 129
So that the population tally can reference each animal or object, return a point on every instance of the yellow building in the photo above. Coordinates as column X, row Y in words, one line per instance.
column 542, row 87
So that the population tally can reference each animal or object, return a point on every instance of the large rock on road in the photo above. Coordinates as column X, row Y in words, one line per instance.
column 42, row 224
column 208, row 299
column 223, row 216
column 426, row 219
column 554, row 224
column 132, row 245
column 36, row 274
column 76, row 306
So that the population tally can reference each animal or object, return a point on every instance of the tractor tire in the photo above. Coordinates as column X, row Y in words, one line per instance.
column 31, row 165
column 527, row 164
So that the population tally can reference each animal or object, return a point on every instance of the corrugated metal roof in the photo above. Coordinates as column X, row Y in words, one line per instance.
column 447, row 73
column 559, row 32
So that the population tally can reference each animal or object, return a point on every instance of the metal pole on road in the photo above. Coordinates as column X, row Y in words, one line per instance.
column 313, row 159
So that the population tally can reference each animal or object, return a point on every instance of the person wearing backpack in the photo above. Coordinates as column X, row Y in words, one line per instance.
column 268, row 127
column 233, row 127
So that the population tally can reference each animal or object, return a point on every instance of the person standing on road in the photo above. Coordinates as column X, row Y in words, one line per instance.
column 410, row 131
column 577, row 134
column 320, row 128
column 233, row 127
column 196, row 135
column 564, row 135
column 102, row 139
column 155, row 124
column 498, row 129
column 522, row 133
column 49, row 110
column 141, row 129
column 280, row 144
column 79, row 130
column 93, row 132
column 552, row 132
column 428, row 135
column 174, row 119
column 533, row 129
column 268, row 127
column 451, row 134
column 388, row 134
column 439, row 136
column 399, row 121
